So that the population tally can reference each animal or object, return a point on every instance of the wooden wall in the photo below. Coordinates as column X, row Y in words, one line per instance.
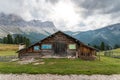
column 81, row 50
column 86, row 52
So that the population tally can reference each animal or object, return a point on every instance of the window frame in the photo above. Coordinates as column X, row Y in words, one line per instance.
column 46, row 48
column 71, row 48
column 36, row 49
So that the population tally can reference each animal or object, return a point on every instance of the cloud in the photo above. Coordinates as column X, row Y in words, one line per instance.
column 74, row 15
column 101, row 6
column 52, row 1
column 98, row 13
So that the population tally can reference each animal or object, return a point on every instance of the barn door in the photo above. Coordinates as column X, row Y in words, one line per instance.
column 60, row 48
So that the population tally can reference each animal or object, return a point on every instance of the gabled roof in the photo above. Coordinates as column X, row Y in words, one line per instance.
column 76, row 40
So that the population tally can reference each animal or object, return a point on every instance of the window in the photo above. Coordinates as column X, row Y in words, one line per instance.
column 46, row 46
column 36, row 48
column 72, row 46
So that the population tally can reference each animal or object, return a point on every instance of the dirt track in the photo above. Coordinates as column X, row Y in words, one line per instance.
column 57, row 77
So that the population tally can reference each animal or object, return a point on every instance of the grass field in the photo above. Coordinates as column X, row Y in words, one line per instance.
column 8, row 49
column 106, row 65
column 65, row 66
column 116, row 50
column 8, row 53
column 112, row 53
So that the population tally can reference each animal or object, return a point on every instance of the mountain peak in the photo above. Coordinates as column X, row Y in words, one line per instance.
column 11, row 23
column 12, row 17
column 10, row 20
column 15, row 20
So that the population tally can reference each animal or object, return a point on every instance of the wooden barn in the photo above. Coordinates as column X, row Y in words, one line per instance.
column 58, row 45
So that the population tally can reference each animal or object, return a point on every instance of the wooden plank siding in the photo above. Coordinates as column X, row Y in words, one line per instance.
column 87, row 53
column 60, row 47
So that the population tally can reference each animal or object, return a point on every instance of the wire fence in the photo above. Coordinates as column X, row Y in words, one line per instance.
column 112, row 54
column 7, row 58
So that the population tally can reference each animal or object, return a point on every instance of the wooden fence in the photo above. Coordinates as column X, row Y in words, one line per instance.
column 7, row 58
column 112, row 54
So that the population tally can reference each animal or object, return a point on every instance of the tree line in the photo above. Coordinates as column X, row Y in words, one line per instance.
column 104, row 46
column 9, row 39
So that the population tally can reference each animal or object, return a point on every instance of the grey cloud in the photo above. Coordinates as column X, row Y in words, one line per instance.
column 52, row 1
column 98, row 6
column 42, row 9
column 93, row 4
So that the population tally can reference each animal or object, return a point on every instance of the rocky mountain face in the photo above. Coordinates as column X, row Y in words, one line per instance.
column 34, row 29
column 110, row 35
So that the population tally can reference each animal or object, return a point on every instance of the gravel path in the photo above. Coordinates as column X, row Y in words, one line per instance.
column 57, row 77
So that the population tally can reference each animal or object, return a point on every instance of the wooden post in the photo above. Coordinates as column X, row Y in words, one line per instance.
column 99, row 55
column 76, row 54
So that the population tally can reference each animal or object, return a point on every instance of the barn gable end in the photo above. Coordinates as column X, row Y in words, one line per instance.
column 58, row 44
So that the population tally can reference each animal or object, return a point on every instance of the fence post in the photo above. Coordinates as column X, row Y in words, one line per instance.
column 99, row 55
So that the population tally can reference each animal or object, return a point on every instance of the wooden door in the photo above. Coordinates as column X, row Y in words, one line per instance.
column 60, row 48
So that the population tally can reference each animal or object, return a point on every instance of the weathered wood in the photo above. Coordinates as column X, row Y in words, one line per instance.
column 60, row 46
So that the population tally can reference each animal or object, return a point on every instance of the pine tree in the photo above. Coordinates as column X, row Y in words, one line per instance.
column 17, row 40
column 107, row 47
column 102, row 46
column 27, row 42
column 95, row 46
column 9, row 39
column 20, row 39
column 5, row 40
column 116, row 46
column 88, row 44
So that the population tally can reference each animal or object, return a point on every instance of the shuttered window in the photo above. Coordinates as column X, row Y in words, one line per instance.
column 46, row 46
column 36, row 48
column 72, row 46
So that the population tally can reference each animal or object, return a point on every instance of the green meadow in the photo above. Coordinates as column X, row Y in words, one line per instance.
column 8, row 49
column 106, row 65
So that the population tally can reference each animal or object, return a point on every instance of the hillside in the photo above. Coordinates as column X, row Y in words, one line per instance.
column 109, row 34
column 116, row 50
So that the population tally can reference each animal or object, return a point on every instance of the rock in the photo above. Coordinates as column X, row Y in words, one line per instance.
column 42, row 62
column 13, row 60
column 36, row 63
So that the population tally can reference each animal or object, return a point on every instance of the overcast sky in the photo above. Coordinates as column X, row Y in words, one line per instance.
column 74, row 15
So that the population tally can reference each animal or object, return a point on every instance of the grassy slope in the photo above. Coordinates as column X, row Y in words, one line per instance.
column 8, row 49
column 107, row 65
column 116, row 50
